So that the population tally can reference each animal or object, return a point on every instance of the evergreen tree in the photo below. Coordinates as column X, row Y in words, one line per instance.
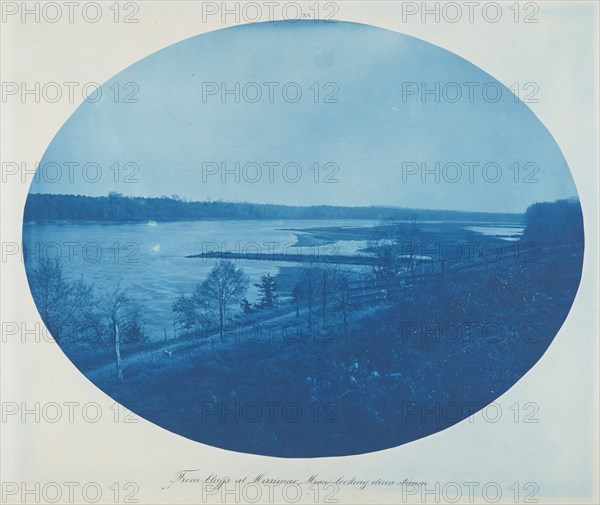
column 246, row 306
column 266, row 289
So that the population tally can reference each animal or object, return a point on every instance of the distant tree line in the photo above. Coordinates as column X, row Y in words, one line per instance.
column 560, row 221
column 118, row 208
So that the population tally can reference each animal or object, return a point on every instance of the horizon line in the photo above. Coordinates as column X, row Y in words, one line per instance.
column 373, row 206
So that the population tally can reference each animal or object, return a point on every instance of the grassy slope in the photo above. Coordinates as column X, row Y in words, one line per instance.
column 354, row 390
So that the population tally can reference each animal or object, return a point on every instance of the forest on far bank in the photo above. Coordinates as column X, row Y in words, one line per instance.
column 43, row 208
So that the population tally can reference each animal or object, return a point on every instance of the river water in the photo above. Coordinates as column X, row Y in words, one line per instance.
column 149, row 258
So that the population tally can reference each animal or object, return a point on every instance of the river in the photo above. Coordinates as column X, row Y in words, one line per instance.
column 149, row 258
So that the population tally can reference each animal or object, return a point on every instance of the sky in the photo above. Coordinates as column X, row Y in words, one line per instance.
column 364, row 139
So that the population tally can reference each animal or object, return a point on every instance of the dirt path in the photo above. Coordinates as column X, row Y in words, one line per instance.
column 188, row 344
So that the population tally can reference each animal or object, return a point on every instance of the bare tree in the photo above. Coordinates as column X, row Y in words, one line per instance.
column 310, row 280
column 192, row 312
column 225, row 285
column 325, row 279
column 123, row 316
column 343, row 297
column 61, row 304
column 296, row 297
column 396, row 249
column 410, row 240
column 387, row 250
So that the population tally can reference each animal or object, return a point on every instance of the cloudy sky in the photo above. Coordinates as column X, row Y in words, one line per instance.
column 371, row 129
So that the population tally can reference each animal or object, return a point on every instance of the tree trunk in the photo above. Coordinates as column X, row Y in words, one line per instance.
column 325, row 293
column 222, row 323
column 345, row 322
column 344, row 309
column 118, row 351
column 310, row 304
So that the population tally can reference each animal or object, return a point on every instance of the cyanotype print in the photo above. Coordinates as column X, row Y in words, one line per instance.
column 304, row 239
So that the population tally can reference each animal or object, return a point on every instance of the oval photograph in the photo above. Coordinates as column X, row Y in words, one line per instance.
column 304, row 239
